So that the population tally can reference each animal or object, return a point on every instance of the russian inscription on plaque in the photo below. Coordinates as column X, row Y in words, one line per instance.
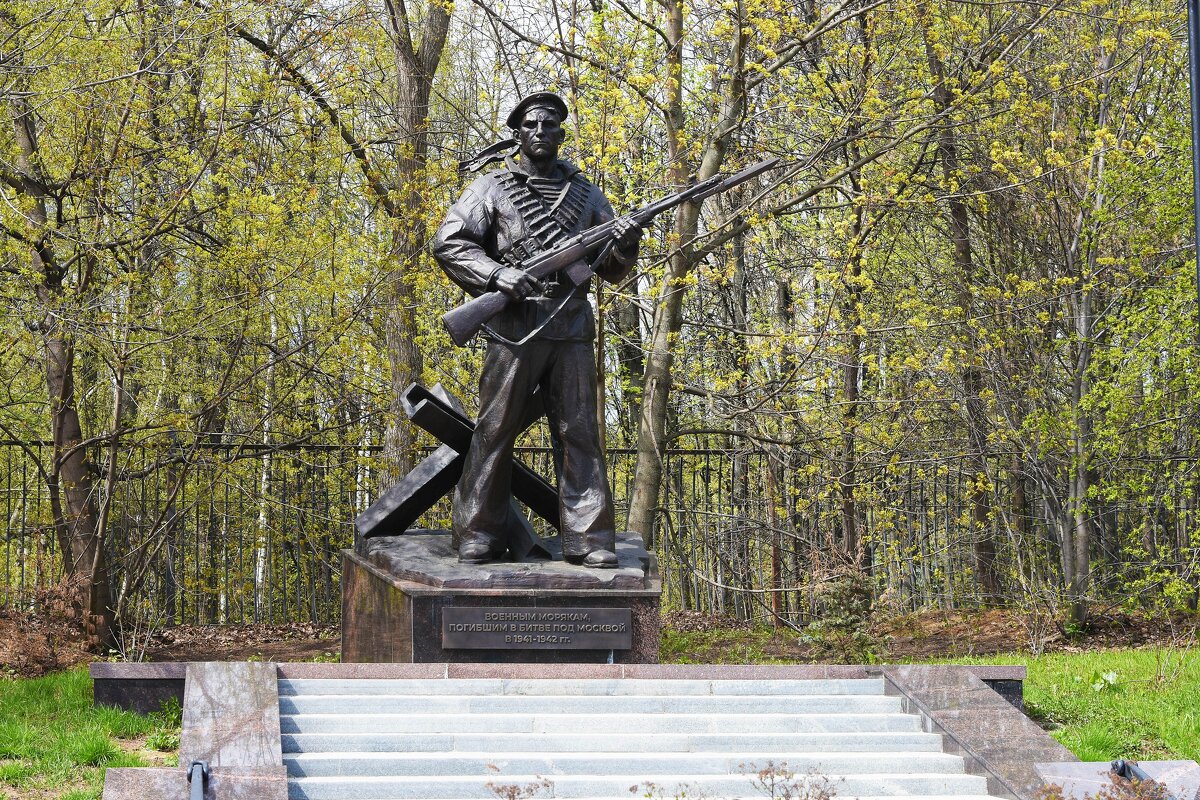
column 527, row 627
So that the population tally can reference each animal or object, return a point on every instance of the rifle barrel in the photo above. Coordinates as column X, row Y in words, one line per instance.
column 752, row 171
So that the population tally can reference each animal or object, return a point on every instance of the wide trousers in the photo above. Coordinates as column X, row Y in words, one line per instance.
column 565, row 372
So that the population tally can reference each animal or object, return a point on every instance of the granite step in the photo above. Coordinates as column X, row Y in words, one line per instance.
column 586, row 704
column 592, row 724
column 553, row 764
column 529, row 739
column 633, row 785
column 289, row 687
column 758, row 741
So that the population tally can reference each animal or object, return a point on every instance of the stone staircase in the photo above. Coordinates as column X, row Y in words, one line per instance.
column 512, row 739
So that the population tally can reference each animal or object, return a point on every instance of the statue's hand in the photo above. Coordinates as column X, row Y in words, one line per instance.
column 626, row 233
column 515, row 283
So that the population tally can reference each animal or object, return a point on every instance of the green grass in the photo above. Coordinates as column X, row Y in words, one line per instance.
column 1115, row 703
column 715, row 646
column 52, row 739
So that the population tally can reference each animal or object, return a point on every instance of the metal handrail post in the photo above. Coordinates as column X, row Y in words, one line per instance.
column 198, row 786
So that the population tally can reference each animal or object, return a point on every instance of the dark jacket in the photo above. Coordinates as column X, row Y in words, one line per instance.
column 482, row 227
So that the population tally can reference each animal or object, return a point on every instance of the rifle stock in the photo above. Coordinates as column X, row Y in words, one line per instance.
column 466, row 320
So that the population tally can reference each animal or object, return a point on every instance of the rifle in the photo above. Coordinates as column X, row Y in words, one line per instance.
column 465, row 321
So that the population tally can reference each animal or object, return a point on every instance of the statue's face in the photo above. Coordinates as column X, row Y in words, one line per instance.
column 540, row 134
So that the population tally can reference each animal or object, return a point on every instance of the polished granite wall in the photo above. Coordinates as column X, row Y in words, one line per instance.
column 994, row 738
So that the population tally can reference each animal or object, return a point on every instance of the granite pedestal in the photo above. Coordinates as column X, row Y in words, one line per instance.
column 400, row 594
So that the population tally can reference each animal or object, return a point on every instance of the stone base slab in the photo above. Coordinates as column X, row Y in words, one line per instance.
column 427, row 557
column 165, row 783
column 1088, row 778
column 143, row 688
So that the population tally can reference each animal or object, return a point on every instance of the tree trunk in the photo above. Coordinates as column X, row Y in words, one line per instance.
column 846, row 480
column 85, row 563
column 416, row 61
column 631, row 361
column 656, row 390
column 852, row 370
column 73, row 499
column 1084, row 315
column 852, row 365
column 983, row 541
column 1081, row 530
column 668, row 311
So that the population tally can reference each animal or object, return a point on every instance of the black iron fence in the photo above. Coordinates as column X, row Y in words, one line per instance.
column 227, row 534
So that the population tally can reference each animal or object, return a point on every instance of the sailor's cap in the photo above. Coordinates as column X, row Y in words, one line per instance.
column 537, row 99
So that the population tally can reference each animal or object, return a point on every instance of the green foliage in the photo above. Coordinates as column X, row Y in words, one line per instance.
column 842, row 628
column 715, row 646
column 972, row 286
column 1093, row 741
column 89, row 748
column 163, row 739
column 82, row 794
column 171, row 713
column 52, row 738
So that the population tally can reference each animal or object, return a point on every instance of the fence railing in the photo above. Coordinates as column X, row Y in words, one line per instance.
column 253, row 533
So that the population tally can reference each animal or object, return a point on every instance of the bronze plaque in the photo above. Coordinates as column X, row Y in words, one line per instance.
column 528, row 628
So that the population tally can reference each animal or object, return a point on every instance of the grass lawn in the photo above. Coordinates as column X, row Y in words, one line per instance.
column 1115, row 703
column 54, row 743
column 718, row 646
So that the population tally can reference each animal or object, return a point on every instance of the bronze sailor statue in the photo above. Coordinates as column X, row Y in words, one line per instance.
column 541, row 342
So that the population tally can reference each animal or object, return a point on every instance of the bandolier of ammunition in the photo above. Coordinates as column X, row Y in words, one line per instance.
column 548, row 227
